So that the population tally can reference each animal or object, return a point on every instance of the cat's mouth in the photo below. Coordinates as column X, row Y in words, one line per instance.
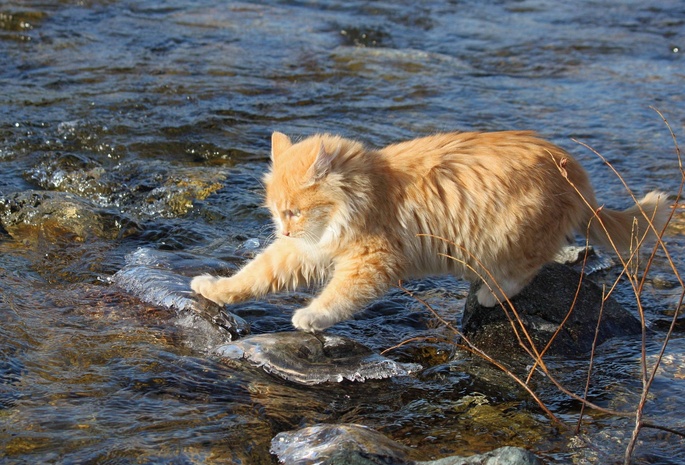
column 295, row 235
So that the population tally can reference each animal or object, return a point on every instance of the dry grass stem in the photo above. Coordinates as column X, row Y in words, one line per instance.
column 592, row 359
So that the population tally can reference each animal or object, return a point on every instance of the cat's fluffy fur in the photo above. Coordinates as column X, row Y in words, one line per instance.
column 359, row 220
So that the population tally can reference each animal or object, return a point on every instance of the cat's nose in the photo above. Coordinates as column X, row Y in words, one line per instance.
column 286, row 233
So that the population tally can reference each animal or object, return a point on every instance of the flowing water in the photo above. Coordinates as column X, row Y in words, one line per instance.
column 158, row 116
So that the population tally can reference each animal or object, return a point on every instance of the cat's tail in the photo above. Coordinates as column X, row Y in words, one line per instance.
column 624, row 230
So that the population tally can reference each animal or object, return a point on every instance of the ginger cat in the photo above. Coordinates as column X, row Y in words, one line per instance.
column 354, row 218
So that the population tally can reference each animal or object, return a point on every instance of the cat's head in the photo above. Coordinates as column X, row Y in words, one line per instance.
column 304, row 189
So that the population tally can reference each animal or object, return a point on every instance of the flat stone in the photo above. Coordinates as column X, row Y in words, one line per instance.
column 310, row 359
column 128, row 183
column 153, row 277
column 344, row 444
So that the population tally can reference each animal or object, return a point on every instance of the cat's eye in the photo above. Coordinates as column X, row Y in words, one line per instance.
column 294, row 213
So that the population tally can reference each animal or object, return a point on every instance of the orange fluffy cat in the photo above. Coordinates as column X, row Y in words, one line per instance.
column 356, row 219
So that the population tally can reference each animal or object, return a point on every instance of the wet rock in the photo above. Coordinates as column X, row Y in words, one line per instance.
column 502, row 456
column 350, row 444
column 542, row 306
column 373, row 61
column 575, row 256
column 365, row 37
column 31, row 215
column 347, row 444
column 150, row 189
column 185, row 263
column 71, row 173
column 151, row 276
column 314, row 358
column 174, row 196
column 663, row 281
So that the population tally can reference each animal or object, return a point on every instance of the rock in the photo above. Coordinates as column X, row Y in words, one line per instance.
column 574, row 256
column 372, row 60
column 150, row 275
column 72, row 173
column 542, row 306
column 663, row 281
column 185, row 263
column 33, row 215
column 145, row 189
column 345, row 444
column 503, row 456
column 310, row 359
column 350, row 444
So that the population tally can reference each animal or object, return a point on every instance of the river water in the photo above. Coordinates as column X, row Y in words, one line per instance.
column 160, row 113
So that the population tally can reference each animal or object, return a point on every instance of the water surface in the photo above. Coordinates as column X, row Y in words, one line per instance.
column 161, row 112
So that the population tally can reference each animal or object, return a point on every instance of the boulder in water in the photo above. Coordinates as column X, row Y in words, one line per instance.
column 506, row 455
column 310, row 359
column 152, row 276
column 32, row 215
column 345, row 444
column 542, row 306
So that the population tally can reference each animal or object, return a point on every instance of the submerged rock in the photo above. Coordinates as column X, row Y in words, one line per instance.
column 350, row 444
column 150, row 275
column 31, row 215
column 542, row 306
column 347, row 444
column 310, row 359
column 149, row 189
column 405, row 62
column 503, row 456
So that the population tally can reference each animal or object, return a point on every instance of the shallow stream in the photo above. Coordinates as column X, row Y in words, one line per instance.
column 158, row 116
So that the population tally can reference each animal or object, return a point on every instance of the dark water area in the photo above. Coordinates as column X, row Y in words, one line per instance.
column 154, row 118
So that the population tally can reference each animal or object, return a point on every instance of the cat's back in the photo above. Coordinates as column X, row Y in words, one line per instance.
column 507, row 162
column 499, row 195
column 470, row 148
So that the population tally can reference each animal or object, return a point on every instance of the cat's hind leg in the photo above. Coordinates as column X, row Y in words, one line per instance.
column 492, row 292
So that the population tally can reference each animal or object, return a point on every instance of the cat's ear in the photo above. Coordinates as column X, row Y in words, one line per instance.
column 279, row 144
column 321, row 166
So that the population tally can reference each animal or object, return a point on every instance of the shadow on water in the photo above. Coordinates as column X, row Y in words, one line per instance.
column 128, row 125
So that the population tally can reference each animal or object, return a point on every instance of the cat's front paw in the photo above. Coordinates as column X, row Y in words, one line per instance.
column 208, row 286
column 313, row 320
